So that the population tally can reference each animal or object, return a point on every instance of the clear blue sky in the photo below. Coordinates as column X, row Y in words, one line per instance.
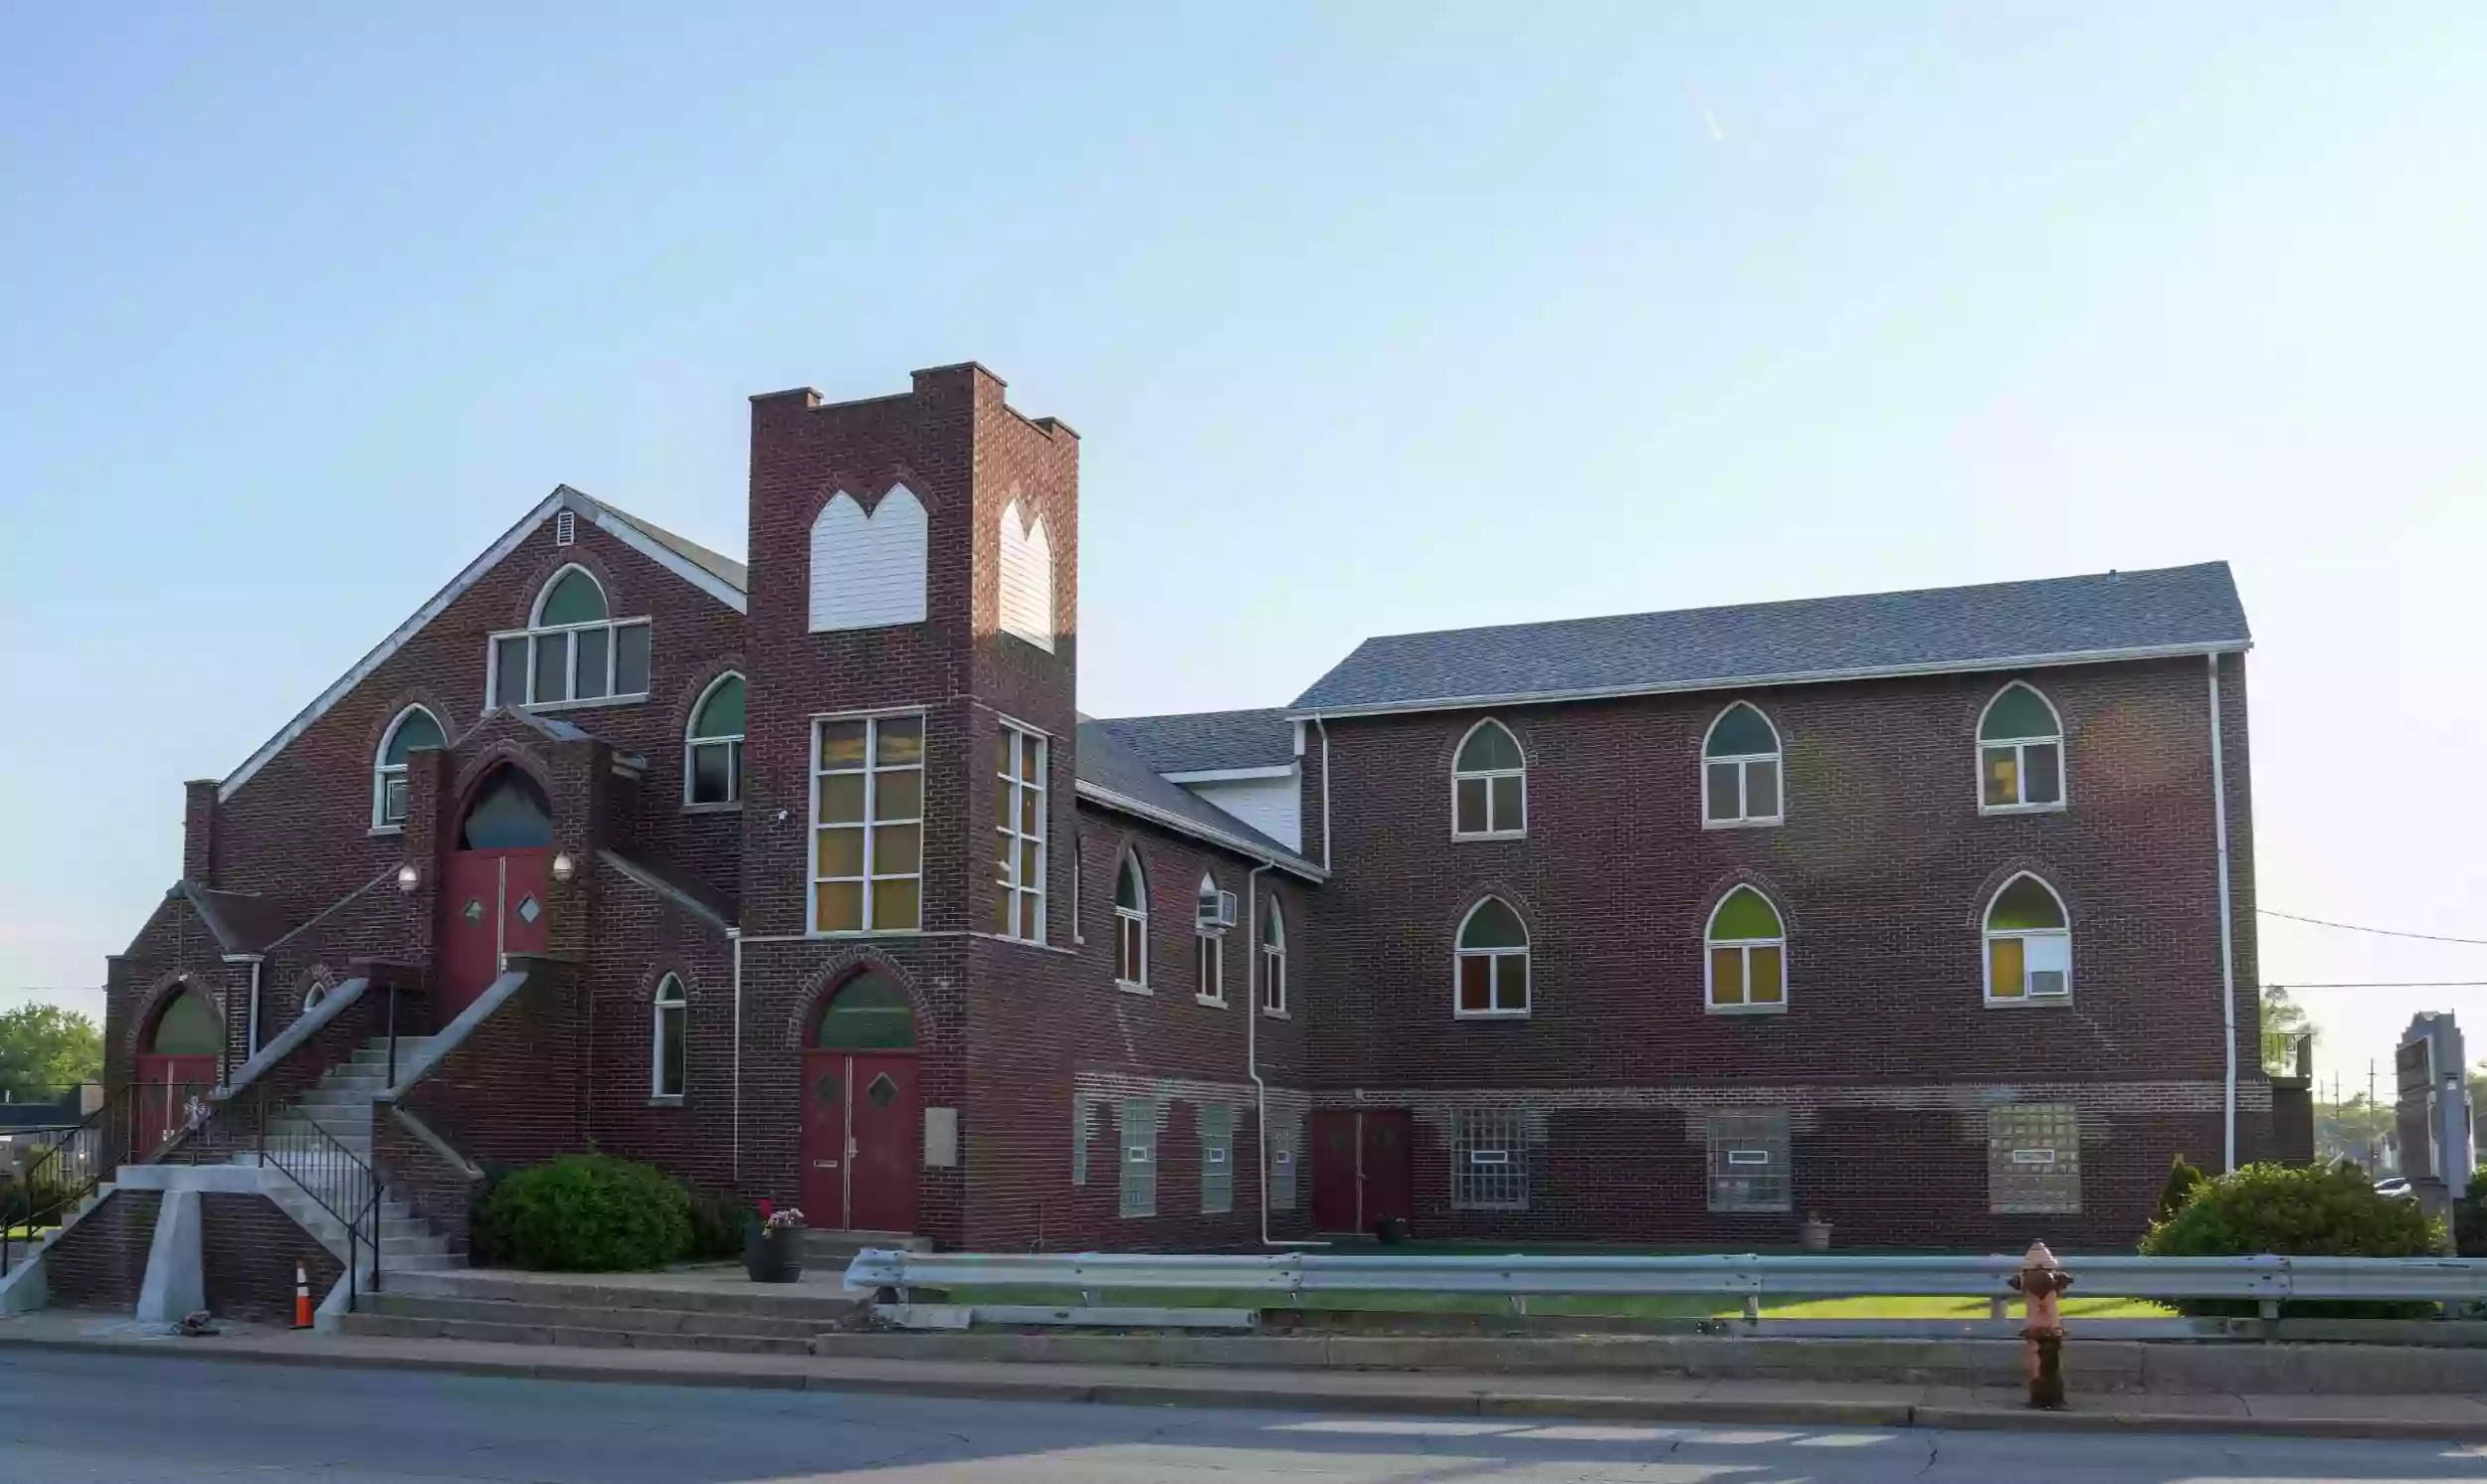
column 1374, row 317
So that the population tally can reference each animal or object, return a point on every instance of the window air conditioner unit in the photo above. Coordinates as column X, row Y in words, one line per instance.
column 1217, row 911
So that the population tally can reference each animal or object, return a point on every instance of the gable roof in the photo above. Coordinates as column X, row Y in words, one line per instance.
column 1113, row 776
column 239, row 921
column 719, row 577
column 1993, row 626
column 1208, row 741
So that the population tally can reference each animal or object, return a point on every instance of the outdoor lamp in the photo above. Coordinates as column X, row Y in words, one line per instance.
column 564, row 867
column 407, row 879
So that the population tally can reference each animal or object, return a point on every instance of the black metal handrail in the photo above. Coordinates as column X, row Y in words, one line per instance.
column 336, row 1179
column 57, row 1176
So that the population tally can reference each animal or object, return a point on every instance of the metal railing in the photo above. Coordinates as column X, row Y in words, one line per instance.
column 256, row 1128
column 53, row 1170
column 1288, row 1278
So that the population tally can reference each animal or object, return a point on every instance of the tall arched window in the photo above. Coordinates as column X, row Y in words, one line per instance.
column 1489, row 968
column 670, row 1039
column 1213, row 944
column 2028, row 944
column 713, row 756
column 1740, row 769
column 573, row 651
column 1273, row 959
column 414, row 727
column 2021, row 752
column 1747, row 969
column 1488, row 784
column 1131, row 924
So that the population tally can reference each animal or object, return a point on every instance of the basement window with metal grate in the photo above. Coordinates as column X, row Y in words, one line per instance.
column 1489, row 1162
column 1749, row 1160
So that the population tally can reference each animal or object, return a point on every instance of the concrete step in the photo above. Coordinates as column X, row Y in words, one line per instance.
column 401, row 1326
column 586, row 1317
column 809, row 1302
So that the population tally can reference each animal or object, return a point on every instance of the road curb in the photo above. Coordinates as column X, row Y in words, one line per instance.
column 1485, row 1402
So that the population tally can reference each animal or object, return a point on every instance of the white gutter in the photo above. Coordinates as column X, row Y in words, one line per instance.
column 1323, row 728
column 2227, row 937
column 1228, row 775
column 1252, row 1049
column 1792, row 677
column 734, row 935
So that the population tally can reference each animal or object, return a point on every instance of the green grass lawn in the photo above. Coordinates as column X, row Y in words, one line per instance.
column 1628, row 1306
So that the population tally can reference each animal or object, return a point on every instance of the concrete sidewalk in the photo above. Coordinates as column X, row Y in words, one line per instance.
column 2449, row 1419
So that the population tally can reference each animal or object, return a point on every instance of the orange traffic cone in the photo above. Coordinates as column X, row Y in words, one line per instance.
column 301, row 1296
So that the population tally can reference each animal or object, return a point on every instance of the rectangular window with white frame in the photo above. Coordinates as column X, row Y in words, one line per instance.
column 1136, row 1130
column 600, row 663
column 1019, row 809
column 668, row 1042
column 867, row 837
column 1749, row 1160
column 2034, row 1159
column 1217, row 1159
column 1489, row 1162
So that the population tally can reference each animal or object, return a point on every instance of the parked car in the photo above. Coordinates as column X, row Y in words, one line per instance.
column 2397, row 1188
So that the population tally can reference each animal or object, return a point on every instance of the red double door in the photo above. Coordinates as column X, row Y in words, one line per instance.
column 165, row 1086
column 1363, row 1170
column 862, row 1126
column 493, row 902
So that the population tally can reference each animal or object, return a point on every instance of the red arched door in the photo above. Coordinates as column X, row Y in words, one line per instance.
column 494, row 887
column 863, row 1124
column 177, row 1064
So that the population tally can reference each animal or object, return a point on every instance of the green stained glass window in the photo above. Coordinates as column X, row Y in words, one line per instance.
column 416, row 729
column 1493, row 925
column 1740, row 731
column 870, row 1014
column 721, row 715
column 2017, row 713
column 2023, row 904
column 187, row 1027
column 1744, row 915
column 1489, row 749
column 573, row 598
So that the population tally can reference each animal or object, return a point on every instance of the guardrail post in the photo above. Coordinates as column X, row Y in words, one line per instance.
column 2040, row 1281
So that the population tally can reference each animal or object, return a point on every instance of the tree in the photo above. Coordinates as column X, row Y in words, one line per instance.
column 2353, row 1130
column 45, row 1049
column 2283, row 1022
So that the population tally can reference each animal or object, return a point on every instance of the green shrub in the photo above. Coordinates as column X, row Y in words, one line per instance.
column 2296, row 1212
column 2183, row 1181
column 2469, row 1216
column 586, row 1213
column 717, row 1226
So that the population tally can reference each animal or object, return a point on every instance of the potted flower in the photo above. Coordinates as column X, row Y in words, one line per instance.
column 773, row 1245
column 1813, row 1233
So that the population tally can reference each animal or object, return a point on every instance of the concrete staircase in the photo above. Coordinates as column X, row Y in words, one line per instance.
column 580, row 1311
column 299, row 1142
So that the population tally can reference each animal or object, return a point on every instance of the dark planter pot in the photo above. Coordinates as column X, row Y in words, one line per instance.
column 773, row 1255
column 1391, row 1231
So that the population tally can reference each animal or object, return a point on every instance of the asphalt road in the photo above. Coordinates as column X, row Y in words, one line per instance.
column 137, row 1421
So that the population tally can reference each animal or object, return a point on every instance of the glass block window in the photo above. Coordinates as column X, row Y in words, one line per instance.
column 2034, row 1159
column 1136, row 1129
column 1749, row 1160
column 1018, row 815
column 1286, row 1138
column 868, row 858
column 1082, row 1118
column 1489, row 1162
column 1217, row 1159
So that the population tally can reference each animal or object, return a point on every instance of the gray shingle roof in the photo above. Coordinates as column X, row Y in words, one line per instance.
column 1105, row 763
column 2128, row 615
column 1206, row 741
column 715, row 564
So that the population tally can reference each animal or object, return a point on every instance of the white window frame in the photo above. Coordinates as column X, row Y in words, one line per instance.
column 659, row 1007
column 1272, row 960
column 1743, row 761
column 1212, row 950
column 1711, row 942
column 1460, row 953
column 1131, row 924
column 1494, row 828
column 538, row 633
column 2020, row 757
column 732, row 743
column 872, row 824
column 384, row 772
column 1022, row 885
column 1989, row 935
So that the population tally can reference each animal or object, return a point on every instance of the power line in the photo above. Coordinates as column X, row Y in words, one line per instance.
column 2378, row 932
column 2391, row 984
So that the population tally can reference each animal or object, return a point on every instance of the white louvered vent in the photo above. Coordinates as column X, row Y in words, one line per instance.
column 867, row 571
column 1026, row 597
column 565, row 528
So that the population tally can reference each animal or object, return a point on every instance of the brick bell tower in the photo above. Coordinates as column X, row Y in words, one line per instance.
column 913, row 606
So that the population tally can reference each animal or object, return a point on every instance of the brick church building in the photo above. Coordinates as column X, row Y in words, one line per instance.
column 1929, row 913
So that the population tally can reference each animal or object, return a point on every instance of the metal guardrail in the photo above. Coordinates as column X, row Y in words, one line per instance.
column 53, row 1171
column 1290, row 1277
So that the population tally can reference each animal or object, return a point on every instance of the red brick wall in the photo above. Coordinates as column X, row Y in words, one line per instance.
column 512, row 1093
column 101, row 1263
column 249, row 1247
column 435, row 1190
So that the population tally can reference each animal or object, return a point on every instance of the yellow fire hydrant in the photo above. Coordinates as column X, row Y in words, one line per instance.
column 2040, row 1282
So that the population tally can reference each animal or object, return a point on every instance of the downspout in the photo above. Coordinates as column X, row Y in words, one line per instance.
column 2227, row 937
column 1251, row 1039
column 734, row 935
column 1324, row 729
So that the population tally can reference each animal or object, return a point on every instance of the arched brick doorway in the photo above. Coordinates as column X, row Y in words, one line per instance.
column 176, row 1063
column 861, row 1117
column 496, row 885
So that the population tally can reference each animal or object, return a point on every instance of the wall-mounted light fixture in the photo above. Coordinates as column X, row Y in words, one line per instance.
column 564, row 867
column 407, row 879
